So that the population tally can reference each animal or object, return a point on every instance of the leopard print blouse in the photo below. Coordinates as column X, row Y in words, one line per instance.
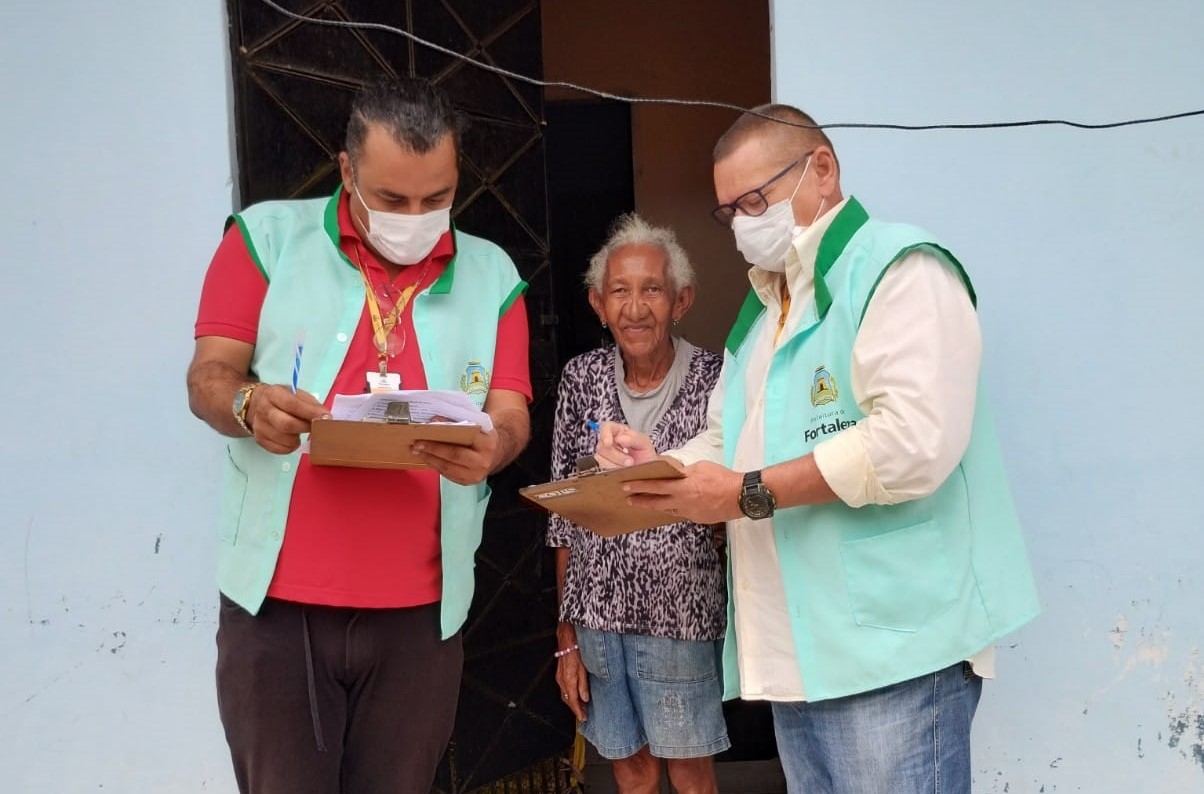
column 665, row 582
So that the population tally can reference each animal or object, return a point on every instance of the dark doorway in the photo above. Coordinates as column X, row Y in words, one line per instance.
column 702, row 49
column 665, row 49
column 587, row 149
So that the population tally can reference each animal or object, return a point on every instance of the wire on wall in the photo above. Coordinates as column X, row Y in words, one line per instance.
column 637, row 100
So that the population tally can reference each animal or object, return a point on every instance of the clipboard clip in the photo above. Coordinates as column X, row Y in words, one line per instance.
column 586, row 466
column 397, row 413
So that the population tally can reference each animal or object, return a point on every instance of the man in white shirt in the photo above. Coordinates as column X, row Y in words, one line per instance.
column 875, row 554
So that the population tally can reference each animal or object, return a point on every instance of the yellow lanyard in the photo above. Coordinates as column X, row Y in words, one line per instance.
column 383, row 326
column 785, row 296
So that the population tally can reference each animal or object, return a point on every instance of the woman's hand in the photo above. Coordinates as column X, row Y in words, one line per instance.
column 571, row 675
column 619, row 446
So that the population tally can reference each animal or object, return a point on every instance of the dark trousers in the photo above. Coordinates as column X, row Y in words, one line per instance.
column 326, row 700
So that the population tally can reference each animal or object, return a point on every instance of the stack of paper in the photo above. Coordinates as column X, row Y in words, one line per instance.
column 427, row 407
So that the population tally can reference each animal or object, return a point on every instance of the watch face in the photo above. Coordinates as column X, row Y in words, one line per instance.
column 240, row 404
column 756, row 505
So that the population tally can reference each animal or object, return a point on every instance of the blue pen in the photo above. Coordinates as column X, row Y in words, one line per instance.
column 594, row 427
column 297, row 363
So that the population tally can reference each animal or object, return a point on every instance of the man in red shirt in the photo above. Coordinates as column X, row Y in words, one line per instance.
column 341, row 683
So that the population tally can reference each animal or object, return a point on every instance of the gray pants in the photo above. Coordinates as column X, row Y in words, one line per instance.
column 327, row 700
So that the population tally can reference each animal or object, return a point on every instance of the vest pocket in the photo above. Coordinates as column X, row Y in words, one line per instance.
column 899, row 579
column 234, row 493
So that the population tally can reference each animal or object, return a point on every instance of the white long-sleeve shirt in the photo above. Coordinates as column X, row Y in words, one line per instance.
column 914, row 375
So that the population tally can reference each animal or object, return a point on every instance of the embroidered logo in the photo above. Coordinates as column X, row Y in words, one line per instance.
column 475, row 380
column 823, row 387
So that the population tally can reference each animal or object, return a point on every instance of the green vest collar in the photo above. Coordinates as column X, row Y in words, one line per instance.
column 749, row 312
column 851, row 218
column 331, row 222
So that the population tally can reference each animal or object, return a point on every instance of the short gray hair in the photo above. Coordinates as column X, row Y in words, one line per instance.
column 631, row 229
column 788, row 141
column 415, row 112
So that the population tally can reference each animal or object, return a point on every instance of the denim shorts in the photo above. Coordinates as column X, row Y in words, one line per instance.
column 655, row 691
column 907, row 738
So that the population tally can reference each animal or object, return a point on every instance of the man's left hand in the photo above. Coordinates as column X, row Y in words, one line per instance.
column 462, row 465
column 708, row 494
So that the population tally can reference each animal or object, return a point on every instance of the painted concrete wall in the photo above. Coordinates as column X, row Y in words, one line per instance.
column 116, row 166
column 1084, row 247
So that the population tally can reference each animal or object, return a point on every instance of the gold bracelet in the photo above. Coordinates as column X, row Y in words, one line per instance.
column 240, row 416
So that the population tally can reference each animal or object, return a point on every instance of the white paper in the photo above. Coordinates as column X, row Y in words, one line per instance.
column 453, row 406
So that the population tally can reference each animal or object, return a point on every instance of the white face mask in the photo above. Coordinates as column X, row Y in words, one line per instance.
column 404, row 239
column 764, row 239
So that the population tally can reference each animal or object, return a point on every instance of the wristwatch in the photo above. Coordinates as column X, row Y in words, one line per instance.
column 756, row 501
column 242, row 403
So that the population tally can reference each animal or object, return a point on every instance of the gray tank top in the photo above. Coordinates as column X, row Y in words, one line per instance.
column 645, row 409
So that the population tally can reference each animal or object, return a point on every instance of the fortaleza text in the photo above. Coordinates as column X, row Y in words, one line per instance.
column 828, row 428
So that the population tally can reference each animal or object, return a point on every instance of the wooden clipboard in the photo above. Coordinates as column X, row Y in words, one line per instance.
column 596, row 501
column 378, row 445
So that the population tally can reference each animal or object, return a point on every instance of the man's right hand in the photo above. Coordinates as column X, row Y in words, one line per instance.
column 277, row 417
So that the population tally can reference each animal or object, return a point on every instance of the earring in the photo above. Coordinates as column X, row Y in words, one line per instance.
column 603, row 323
column 676, row 320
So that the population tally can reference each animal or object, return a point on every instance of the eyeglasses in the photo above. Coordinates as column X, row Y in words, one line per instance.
column 752, row 203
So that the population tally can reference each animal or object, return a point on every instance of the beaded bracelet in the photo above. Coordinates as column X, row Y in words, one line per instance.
column 565, row 651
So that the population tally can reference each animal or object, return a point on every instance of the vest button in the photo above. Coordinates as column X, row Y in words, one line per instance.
column 285, row 466
column 342, row 337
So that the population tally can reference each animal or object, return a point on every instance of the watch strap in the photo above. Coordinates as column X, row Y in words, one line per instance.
column 243, row 405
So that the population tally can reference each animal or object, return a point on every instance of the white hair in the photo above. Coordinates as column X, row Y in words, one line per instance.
column 631, row 229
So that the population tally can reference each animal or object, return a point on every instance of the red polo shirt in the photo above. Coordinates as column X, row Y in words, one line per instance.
column 357, row 537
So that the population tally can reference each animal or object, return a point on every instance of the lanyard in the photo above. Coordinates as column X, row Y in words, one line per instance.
column 383, row 326
column 785, row 307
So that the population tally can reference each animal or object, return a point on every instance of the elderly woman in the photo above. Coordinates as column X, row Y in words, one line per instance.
column 641, row 615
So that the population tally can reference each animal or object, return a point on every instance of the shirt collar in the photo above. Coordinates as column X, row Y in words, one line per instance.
column 800, row 260
column 813, row 252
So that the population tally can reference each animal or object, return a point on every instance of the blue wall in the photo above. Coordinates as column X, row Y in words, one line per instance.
column 1085, row 249
column 117, row 172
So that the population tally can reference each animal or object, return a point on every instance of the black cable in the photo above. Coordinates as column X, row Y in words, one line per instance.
column 852, row 125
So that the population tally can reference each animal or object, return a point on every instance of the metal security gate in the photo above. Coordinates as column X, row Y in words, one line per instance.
column 293, row 82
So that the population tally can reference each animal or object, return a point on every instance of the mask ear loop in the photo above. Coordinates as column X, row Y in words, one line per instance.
column 797, row 184
column 818, row 211
column 355, row 186
column 822, row 199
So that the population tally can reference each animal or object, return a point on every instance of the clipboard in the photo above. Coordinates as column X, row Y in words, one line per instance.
column 594, row 498
column 379, row 445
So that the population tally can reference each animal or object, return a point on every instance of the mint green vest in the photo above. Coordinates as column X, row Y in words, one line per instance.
column 313, row 289
column 877, row 594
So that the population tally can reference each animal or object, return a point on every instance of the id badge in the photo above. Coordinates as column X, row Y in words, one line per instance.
column 383, row 381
